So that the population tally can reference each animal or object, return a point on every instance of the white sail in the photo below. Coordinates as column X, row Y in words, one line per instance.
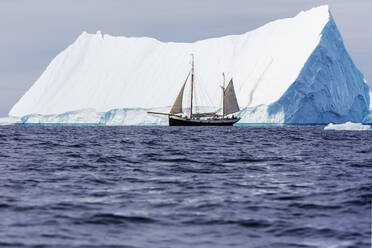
column 230, row 103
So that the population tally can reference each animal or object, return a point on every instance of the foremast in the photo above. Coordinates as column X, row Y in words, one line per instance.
column 192, row 84
column 223, row 96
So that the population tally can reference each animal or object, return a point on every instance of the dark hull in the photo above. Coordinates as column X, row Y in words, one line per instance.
column 178, row 121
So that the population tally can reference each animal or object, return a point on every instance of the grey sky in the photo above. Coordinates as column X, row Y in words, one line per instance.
column 33, row 32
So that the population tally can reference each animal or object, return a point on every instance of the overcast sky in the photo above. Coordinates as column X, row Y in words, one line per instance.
column 33, row 32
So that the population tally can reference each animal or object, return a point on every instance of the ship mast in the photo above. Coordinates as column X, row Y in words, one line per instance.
column 223, row 96
column 192, row 83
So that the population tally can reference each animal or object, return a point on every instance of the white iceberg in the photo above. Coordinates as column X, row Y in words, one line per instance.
column 348, row 126
column 293, row 70
column 8, row 120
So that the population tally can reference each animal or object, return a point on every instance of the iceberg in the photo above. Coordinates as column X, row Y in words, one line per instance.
column 8, row 120
column 349, row 126
column 293, row 70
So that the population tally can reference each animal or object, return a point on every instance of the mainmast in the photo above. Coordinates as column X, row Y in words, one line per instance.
column 223, row 96
column 192, row 83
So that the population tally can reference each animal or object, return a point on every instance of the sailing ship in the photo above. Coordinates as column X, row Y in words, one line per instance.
column 230, row 105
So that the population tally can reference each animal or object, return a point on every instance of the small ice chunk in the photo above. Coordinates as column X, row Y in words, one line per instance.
column 350, row 126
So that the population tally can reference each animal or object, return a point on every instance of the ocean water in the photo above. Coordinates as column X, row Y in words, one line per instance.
column 244, row 186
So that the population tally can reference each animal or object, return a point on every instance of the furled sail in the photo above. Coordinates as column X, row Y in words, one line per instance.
column 230, row 103
column 177, row 106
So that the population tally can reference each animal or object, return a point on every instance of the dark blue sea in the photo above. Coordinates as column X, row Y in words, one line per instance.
column 244, row 186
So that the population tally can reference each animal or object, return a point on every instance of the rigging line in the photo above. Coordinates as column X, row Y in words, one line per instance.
column 201, row 96
column 205, row 94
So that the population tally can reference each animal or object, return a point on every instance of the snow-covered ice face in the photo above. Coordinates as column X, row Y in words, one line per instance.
column 106, row 73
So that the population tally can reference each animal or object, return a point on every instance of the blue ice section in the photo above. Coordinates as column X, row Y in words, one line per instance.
column 115, row 117
column 329, row 89
column 368, row 118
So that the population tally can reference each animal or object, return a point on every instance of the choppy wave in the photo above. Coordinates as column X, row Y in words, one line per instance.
column 268, row 186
